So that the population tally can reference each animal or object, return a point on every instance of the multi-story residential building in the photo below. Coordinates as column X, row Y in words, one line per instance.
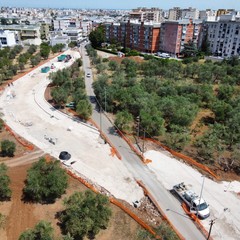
column 64, row 23
column 143, row 36
column 188, row 13
column 223, row 35
column 8, row 38
column 137, row 15
column 175, row 13
column 60, row 40
column 147, row 14
column 75, row 34
column 207, row 14
column 86, row 27
column 174, row 34
column 44, row 30
column 224, row 11
column 25, row 31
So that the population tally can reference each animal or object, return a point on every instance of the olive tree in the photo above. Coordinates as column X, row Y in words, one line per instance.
column 8, row 148
column 86, row 214
column 42, row 231
column 5, row 191
column 45, row 181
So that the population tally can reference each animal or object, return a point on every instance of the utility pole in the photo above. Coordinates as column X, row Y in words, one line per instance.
column 143, row 142
column 138, row 127
column 211, row 224
column 201, row 193
column 100, row 109
column 105, row 98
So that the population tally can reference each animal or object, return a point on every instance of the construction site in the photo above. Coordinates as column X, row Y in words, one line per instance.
column 29, row 115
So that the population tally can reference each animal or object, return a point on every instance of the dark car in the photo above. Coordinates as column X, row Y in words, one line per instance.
column 64, row 155
column 92, row 99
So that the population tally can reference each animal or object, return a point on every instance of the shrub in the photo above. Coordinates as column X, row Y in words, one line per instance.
column 8, row 148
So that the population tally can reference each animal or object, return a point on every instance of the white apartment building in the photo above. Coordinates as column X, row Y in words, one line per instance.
column 192, row 13
column 147, row 14
column 60, row 40
column 64, row 23
column 8, row 38
column 208, row 15
column 75, row 34
column 224, row 35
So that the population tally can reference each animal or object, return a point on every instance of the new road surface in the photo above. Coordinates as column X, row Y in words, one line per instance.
column 169, row 204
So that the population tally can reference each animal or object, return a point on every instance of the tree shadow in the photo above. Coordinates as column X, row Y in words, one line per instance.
column 208, row 120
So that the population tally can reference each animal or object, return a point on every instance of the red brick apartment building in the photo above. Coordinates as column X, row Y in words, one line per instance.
column 150, row 37
column 141, row 36
column 174, row 34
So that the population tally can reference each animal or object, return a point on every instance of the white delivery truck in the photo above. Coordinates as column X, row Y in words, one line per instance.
column 196, row 204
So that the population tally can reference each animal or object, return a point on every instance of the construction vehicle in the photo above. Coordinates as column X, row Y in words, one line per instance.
column 196, row 204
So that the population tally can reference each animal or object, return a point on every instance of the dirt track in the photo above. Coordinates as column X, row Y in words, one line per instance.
column 27, row 158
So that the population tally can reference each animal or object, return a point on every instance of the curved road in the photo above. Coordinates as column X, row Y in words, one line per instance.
column 169, row 204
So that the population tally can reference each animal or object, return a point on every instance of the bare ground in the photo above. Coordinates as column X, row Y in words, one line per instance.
column 21, row 215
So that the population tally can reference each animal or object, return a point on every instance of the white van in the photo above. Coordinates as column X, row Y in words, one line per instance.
column 163, row 55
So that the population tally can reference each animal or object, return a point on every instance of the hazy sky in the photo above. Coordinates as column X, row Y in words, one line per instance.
column 123, row 4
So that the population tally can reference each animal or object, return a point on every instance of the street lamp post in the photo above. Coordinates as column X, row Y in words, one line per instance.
column 105, row 98
column 201, row 193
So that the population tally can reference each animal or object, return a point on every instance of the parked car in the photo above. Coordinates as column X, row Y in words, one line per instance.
column 71, row 105
column 64, row 155
column 92, row 99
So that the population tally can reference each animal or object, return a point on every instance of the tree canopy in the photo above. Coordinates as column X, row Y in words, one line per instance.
column 46, row 181
column 5, row 191
column 86, row 214
column 8, row 148
column 42, row 231
column 97, row 36
column 172, row 98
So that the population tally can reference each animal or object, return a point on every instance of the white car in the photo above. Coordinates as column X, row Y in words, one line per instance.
column 88, row 75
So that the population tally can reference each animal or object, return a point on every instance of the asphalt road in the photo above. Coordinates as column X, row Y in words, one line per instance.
column 169, row 204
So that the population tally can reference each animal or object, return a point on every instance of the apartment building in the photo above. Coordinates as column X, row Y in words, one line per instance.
column 188, row 13
column 63, row 23
column 143, row 36
column 147, row 14
column 207, row 14
column 223, row 35
column 174, row 34
column 224, row 11
column 8, row 38
column 25, row 31
column 44, row 30
column 75, row 34
column 60, row 40
column 175, row 13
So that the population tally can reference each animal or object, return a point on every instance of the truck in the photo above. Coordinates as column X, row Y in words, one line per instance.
column 197, row 205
